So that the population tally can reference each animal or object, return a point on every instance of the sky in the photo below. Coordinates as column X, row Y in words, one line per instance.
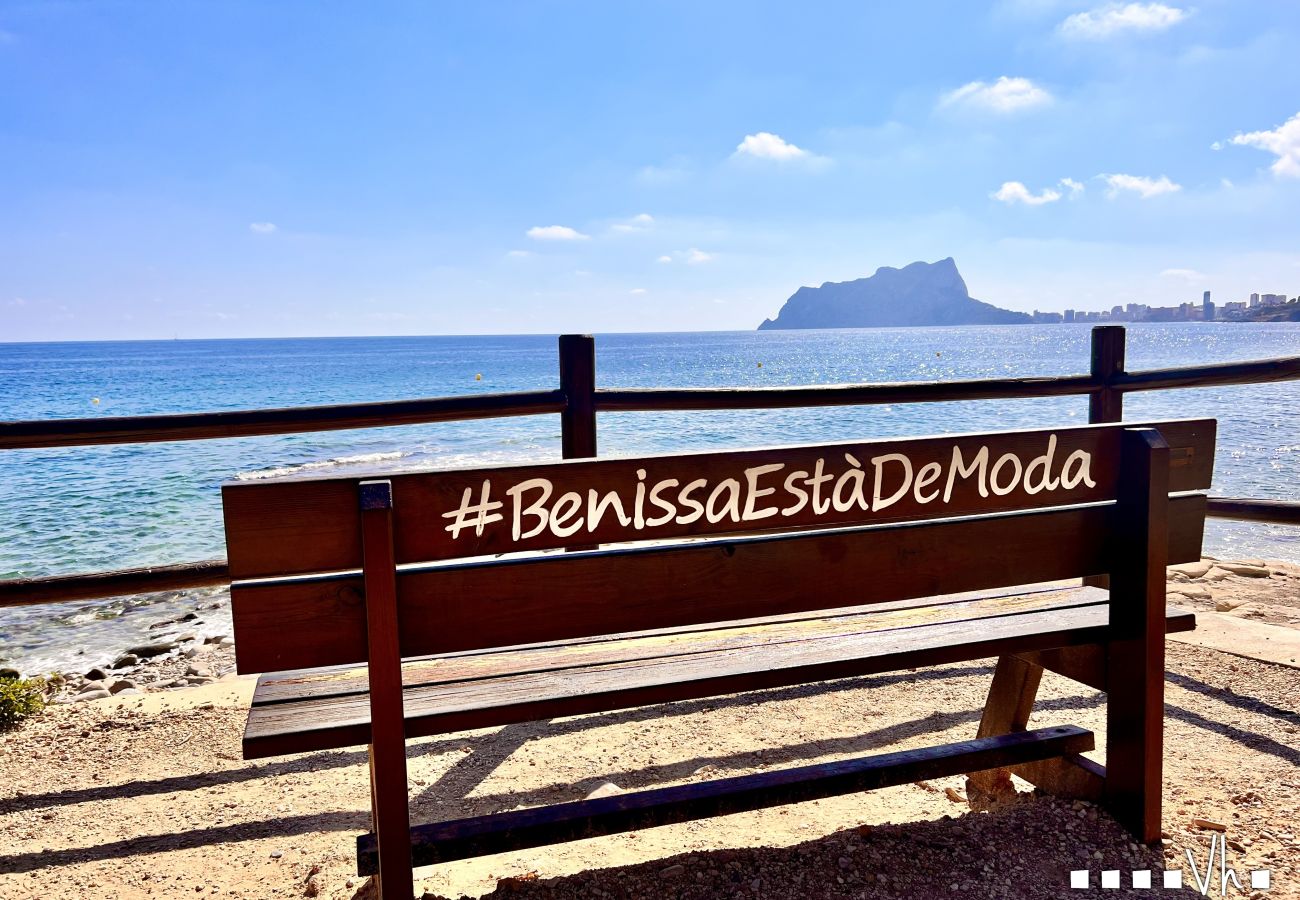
column 241, row 169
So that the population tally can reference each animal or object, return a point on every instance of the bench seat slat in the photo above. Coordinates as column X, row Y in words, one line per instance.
column 297, row 685
column 521, row 829
column 853, row 644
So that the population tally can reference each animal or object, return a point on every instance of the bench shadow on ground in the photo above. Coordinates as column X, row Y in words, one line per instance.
column 1013, row 851
column 449, row 796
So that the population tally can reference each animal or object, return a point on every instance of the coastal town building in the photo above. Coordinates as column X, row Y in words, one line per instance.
column 1204, row 311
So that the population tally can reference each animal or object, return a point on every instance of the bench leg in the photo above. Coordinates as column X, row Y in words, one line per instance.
column 390, row 814
column 1135, row 659
column 388, row 797
column 1134, row 737
column 1010, row 701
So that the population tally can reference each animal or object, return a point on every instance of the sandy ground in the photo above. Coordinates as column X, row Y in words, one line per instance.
column 146, row 795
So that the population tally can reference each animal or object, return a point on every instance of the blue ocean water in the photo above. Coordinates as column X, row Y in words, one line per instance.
column 84, row 509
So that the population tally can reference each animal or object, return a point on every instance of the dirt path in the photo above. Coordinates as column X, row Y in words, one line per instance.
column 146, row 796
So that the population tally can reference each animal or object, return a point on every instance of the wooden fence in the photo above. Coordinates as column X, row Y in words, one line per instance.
column 577, row 400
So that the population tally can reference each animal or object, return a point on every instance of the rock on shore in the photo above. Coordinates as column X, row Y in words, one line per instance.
column 185, row 661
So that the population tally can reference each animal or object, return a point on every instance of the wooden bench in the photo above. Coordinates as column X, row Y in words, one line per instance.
column 421, row 603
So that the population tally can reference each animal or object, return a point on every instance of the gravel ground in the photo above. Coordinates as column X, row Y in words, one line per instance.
column 147, row 796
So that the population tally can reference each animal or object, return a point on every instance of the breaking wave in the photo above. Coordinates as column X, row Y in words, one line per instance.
column 340, row 462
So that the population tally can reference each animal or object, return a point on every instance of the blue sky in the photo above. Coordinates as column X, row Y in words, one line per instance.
column 251, row 169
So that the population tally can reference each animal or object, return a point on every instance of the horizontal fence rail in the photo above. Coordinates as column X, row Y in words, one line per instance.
column 258, row 422
column 1260, row 371
column 674, row 399
column 56, row 588
column 117, row 583
column 577, row 401
column 1278, row 512
column 47, row 433
column 678, row 399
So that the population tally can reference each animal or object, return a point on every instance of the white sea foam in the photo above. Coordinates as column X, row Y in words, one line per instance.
column 341, row 462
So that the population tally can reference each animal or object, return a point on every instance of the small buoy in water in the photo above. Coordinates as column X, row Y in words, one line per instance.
column 94, row 400
column 478, row 377
column 760, row 365
column 937, row 353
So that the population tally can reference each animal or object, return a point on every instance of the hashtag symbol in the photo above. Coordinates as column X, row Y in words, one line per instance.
column 475, row 514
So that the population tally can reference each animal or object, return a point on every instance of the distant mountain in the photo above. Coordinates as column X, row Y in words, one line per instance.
column 919, row 294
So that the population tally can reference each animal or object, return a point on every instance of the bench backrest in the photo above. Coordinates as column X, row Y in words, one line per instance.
column 788, row 529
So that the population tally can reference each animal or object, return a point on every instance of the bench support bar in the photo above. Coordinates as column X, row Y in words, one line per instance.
column 521, row 829
column 1010, row 701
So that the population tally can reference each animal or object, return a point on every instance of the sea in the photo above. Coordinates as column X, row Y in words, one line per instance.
column 86, row 509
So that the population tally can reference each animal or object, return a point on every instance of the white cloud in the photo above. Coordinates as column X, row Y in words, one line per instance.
column 766, row 145
column 692, row 257
column 555, row 233
column 1144, row 187
column 1191, row 276
column 1015, row 192
column 1073, row 186
column 1117, row 18
column 1004, row 96
column 635, row 291
column 262, row 227
column 1283, row 142
column 519, row 254
column 636, row 223
column 675, row 172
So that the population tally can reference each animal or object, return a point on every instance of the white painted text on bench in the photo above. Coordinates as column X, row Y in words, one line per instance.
column 764, row 492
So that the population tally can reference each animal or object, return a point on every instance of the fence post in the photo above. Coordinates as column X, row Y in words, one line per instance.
column 1107, row 404
column 578, row 382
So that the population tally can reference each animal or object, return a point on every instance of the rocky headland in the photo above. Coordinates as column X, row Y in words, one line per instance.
column 918, row 294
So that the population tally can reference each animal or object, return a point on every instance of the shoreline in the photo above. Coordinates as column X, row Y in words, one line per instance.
column 189, row 662
column 177, row 654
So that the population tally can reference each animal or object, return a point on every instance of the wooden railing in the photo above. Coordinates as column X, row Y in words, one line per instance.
column 578, row 400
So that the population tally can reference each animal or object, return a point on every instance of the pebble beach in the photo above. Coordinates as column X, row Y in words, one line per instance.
column 176, row 655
